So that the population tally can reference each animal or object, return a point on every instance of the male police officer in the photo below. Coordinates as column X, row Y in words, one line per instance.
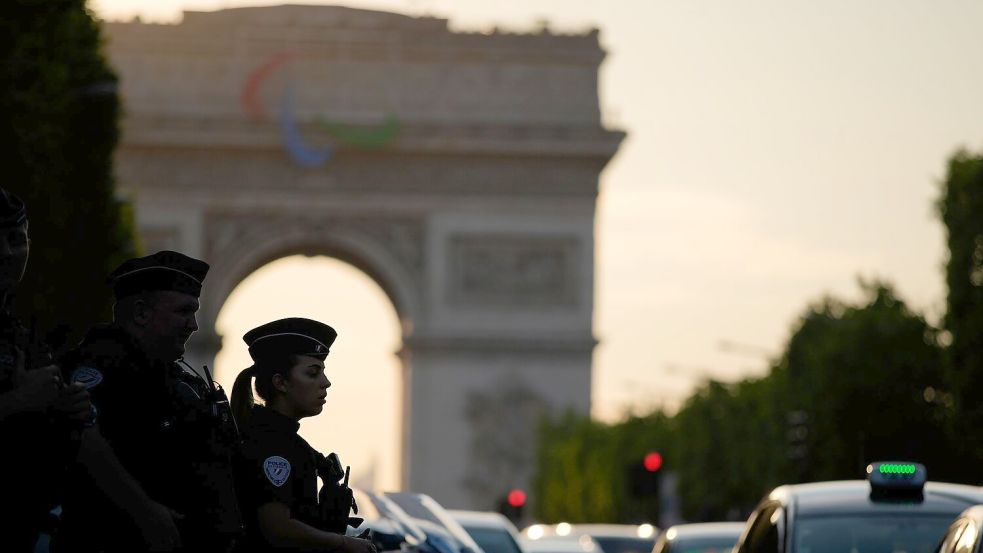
column 36, row 410
column 169, row 429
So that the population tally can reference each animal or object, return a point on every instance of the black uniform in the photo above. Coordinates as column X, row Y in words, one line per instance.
column 37, row 448
column 276, row 465
column 168, row 428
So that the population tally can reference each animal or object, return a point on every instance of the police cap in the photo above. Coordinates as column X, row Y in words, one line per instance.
column 12, row 210
column 291, row 336
column 162, row 271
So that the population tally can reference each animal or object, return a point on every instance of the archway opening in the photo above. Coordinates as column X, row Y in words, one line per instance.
column 360, row 421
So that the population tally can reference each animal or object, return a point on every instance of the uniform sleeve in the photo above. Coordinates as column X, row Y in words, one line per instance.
column 115, row 401
column 268, row 472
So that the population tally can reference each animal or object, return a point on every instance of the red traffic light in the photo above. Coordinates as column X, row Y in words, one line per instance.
column 653, row 461
column 517, row 498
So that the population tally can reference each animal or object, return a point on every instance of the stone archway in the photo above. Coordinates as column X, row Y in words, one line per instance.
column 388, row 251
column 475, row 214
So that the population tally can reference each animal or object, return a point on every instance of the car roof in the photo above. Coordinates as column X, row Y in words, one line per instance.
column 606, row 530
column 640, row 531
column 555, row 544
column 704, row 529
column 483, row 519
column 853, row 496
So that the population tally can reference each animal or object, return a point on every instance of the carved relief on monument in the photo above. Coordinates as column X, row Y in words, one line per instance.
column 504, row 423
column 400, row 237
column 513, row 270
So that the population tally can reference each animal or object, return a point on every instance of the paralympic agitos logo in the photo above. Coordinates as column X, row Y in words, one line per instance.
column 302, row 152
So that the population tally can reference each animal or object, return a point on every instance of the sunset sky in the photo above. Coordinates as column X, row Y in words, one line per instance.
column 776, row 150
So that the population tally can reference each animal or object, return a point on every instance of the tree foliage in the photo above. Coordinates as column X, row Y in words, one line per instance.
column 866, row 376
column 961, row 210
column 60, row 109
column 582, row 467
column 869, row 378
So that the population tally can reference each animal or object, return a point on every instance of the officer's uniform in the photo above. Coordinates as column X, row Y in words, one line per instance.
column 170, row 429
column 37, row 447
column 276, row 464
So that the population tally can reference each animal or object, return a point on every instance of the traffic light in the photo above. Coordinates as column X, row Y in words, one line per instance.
column 798, row 435
column 643, row 478
column 511, row 505
column 797, row 443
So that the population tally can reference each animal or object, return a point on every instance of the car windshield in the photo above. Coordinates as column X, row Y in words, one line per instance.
column 624, row 544
column 895, row 533
column 493, row 540
column 717, row 544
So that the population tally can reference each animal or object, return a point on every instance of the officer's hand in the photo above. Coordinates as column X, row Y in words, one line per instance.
column 158, row 529
column 73, row 402
column 37, row 390
column 358, row 545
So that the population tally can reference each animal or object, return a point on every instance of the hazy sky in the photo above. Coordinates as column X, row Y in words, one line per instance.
column 777, row 149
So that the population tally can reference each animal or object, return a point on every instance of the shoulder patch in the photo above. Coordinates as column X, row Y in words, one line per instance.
column 277, row 470
column 87, row 376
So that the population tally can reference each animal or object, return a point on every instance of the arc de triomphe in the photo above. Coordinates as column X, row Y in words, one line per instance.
column 458, row 170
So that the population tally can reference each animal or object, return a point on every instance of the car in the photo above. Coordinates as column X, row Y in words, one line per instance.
column 389, row 527
column 492, row 531
column 610, row 538
column 895, row 510
column 702, row 537
column 963, row 535
column 619, row 538
column 584, row 544
column 434, row 520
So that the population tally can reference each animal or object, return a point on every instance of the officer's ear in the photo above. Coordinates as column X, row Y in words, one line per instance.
column 142, row 308
column 279, row 382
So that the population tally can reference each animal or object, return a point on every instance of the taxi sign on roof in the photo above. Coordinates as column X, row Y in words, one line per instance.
column 897, row 468
column 896, row 476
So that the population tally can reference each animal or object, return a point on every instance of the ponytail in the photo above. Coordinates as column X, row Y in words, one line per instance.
column 263, row 369
column 242, row 396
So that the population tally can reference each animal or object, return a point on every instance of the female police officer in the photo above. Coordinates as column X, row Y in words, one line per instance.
column 277, row 478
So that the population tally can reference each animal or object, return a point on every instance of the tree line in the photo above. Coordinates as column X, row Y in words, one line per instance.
column 856, row 381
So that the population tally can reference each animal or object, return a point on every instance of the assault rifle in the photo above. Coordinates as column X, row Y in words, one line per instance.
column 336, row 500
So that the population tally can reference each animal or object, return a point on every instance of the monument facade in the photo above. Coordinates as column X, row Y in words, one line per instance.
column 458, row 170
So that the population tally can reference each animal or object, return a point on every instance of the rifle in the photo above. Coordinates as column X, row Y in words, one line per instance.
column 336, row 498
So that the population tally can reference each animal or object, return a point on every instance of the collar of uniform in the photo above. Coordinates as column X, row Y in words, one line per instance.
column 266, row 416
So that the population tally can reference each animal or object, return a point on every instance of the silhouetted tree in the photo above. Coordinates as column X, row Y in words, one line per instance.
column 59, row 127
column 869, row 378
column 961, row 209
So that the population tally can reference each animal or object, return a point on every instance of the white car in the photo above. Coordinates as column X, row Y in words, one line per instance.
column 704, row 537
column 553, row 544
column 609, row 538
column 493, row 532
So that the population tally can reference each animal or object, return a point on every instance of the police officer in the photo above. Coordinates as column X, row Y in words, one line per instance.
column 277, row 476
column 36, row 410
column 164, row 478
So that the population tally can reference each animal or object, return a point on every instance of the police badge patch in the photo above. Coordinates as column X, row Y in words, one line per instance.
column 277, row 470
column 87, row 376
